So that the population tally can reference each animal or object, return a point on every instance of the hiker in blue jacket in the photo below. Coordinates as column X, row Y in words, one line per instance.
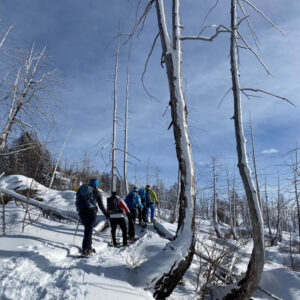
column 87, row 198
column 142, row 211
column 133, row 201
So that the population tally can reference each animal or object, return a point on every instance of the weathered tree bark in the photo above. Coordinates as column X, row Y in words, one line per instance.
column 249, row 284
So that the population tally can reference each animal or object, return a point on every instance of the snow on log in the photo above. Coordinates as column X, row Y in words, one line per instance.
column 47, row 209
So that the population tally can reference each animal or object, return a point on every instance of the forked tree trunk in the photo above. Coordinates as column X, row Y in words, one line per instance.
column 185, row 238
column 249, row 284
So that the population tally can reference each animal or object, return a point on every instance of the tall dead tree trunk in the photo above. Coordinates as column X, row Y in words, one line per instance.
column 185, row 237
column 277, row 236
column 114, row 140
column 215, row 201
column 126, row 189
column 295, row 171
column 267, row 209
column 249, row 284
column 59, row 157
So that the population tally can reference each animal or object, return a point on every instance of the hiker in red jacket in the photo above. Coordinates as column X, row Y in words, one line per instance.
column 115, row 209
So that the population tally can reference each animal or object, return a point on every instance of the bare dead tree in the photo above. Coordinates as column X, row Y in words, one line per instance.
column 126, row 189
column 59, row 157
column 277, row 236
column 215, row 200
column 114, row 140
column 175, row 267
column 29, row 94
column 249, row 284
column 267, row 209
column 295, row 181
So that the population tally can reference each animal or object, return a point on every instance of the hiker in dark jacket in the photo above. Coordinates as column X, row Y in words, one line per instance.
column 88, row 197
column 115, row 210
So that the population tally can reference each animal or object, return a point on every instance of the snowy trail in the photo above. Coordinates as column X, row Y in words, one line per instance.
column 44, row 265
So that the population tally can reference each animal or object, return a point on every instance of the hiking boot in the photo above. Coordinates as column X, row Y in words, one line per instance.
column 87, row 252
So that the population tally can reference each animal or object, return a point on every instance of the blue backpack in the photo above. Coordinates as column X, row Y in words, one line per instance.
column 85, row 197
column 129, row 200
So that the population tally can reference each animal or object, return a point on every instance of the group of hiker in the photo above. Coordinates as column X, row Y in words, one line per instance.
column 136, row 205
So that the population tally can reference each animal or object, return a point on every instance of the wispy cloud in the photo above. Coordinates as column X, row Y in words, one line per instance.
column 269, row 151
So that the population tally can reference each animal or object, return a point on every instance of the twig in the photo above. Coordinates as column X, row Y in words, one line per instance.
column 268, row 93
column 205, row 18
column 255, row 38
column 224, row 97
column 206, row 39
column 144, row 15
column 256, row 55
column 145, row 69
column 264, row 16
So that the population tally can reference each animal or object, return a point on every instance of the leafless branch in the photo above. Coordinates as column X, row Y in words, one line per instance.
column 145, row 69
column 17, row 151
column 264, row 16
column 129, row 154
column 207, row 39
column 205, row 18
column 224, row 97
column 268, row 93
column 5, row 35
column 255, row 54
column 249, row 96
column 142, row 17
column 255, row 38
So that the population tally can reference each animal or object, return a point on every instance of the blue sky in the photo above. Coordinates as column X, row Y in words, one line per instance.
column 78, row 36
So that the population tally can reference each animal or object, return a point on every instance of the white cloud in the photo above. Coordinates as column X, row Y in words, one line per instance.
column 269, row 151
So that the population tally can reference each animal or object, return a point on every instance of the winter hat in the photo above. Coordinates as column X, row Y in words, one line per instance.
column 94, row 182
column 135, row 188
column 114, row 193
column 147, row 186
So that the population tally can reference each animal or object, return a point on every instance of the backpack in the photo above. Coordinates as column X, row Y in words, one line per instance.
column 85, row 198
column 113, row 206
column 129, row 200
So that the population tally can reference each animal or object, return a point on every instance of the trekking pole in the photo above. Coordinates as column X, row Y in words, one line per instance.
column 76, row 231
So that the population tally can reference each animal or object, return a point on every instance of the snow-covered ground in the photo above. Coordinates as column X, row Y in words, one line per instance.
column 42, row 263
